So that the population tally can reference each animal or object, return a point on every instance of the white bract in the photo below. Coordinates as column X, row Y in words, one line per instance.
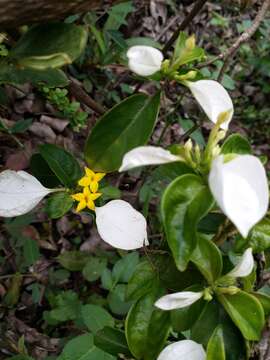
column 240, row 188
column 245, row 265
column 144, row 60
column 213, row 99
column 147, row 155
column 183, row 350
column 178, row 300
column 20, row 192
column 121, row 226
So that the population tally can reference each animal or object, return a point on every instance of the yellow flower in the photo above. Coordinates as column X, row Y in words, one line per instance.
column 85, row 199
column 91, row 179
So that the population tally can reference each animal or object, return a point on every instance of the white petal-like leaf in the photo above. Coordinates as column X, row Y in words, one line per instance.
column 245, row 265
column 240, row 188
column 144, row 60
column 178, row 300
column 147, row 155
column 213, row 99
column 183, row 350
column 121, row 226
column 20, row 192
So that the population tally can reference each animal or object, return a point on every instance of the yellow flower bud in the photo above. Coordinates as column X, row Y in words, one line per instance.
column 190, row 43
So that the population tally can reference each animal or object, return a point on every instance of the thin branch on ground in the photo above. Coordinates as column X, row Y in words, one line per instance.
column 228, row 54
column 78, row 92
column 194, row 11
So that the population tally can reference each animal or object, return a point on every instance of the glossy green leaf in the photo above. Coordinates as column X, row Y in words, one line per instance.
column 58, row 205
column 183, row 319
column 214, row 315
column 147, row 328
column 259, row 237
column 142, row 281
column 50, row 45
column 185, row 201
column 124, row 127
column 236, row 144
column 41, row 170
column 264, row 299
column 216, row 347
column 208, row 258
column 246, row 312
column 73, row 260
column 112, row 341
column 62, row 163
column 96, row 318
column 11, row 74
column 82, row 348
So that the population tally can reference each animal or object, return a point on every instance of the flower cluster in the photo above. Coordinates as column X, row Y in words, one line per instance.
column 90, row 184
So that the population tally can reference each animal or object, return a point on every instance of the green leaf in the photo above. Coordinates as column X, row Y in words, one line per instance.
column 236, row 144
column 182, row 55
column 62, row 163
column 183, row 319
column 133, row 41
column 208, row 258
column 82, row 348
column 112, row 341
column 185, row 201
column 94, row 268
column 21, row 126
column 73, row 260
column 246, row 312
column 214, row 315
column 41, row 170
column 215, row 347
column 117, row 302
column 30, row 251
column 117, row 15
column 50, row 45
column 264, row 299
column 11, row 74
column 259, row 237
column 142, row 281
column 67, row 307
column 124, row 268
column 196, row 135
column 13, row 294
column 58, row 205
column 96, row 318
column 124, row 127
column 147, row 327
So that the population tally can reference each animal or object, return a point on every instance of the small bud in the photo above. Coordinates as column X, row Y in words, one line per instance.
column 197, row 153
column 190, row 43
column 207, row 296
column 165, row 65
column 188, row 76
column 188, row 146
column 231, row 290
column 215, row 151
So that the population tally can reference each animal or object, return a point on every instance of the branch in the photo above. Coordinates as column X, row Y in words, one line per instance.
column 78, row 92
column 228, row 54
column 194, row 11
